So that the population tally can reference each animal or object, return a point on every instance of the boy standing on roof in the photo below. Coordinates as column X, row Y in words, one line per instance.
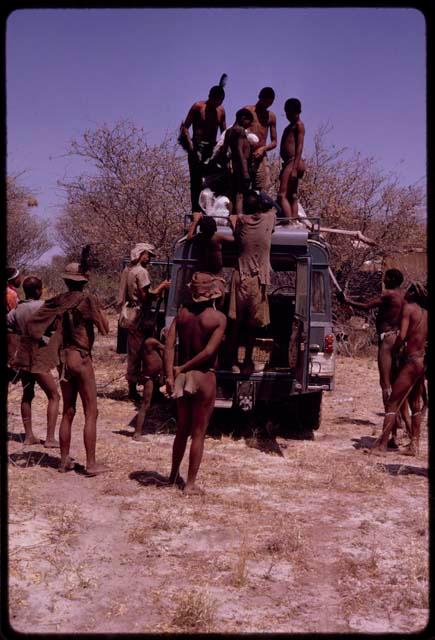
column 293, row 168
column 237, row 142
column 264, row 122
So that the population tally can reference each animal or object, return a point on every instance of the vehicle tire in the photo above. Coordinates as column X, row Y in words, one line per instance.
column 302, row 413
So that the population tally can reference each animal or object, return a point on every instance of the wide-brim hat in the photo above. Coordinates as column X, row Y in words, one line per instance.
column 12, row 273
column 139, row 248
column 205, row 286
column 72, row 272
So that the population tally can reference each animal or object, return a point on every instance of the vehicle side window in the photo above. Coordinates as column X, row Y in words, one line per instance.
column 318, row 298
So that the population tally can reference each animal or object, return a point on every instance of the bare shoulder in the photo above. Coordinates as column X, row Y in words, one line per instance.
column 300, row 126
column 214, row 318
column 272, row 118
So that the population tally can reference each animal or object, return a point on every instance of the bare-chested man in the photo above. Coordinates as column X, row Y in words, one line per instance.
column 264, row 122
column 152, row 366
column 200, row 329
column 205, row 117
column 389, row 305
column 237, row 142
column 293, row 168
column 408, row 384
column 80, row 312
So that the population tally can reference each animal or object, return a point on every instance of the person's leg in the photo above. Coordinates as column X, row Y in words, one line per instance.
column 183, row 429
column 385, row 363
column 195, row 181
column 88, row 393
column 416, row 405
column 28, row 382
column 146, row 402
column 69, row 400
column 282, row 196
column 49, row 387
column 293, row 196
column 401, row 388
column 135, row 342
column 202, row 407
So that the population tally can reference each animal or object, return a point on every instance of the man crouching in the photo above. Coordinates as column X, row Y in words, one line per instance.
column 200, row 329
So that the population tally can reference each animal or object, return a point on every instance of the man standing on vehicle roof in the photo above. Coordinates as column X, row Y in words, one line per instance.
column 264, row 121
column 205, row 117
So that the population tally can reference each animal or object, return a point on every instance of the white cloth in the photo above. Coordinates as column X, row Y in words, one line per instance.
column 139, row 248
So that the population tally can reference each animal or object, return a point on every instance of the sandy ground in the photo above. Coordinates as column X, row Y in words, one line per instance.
column 291, row 536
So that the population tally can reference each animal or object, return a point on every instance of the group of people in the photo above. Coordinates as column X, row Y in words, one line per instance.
column 57, row 333
column 238, row 161
column 402, row 329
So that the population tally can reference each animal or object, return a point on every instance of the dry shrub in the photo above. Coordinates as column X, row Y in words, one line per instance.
column 286, row 541
column 240, row 575
column 64, row 522
column 141, row 535
column 195, row 611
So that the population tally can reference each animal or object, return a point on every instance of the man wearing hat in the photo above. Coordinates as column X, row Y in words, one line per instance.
column 79, row 313
column 136, row 291
column 14, row 281
column 200, row 329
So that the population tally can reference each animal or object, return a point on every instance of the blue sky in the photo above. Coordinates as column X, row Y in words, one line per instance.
column 362, row 70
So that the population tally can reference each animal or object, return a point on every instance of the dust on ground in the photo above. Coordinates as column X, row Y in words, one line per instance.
column 291, row 536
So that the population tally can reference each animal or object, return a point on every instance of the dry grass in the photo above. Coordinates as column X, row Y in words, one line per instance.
column 240, row 574
column 286, row 541
column 195, row 611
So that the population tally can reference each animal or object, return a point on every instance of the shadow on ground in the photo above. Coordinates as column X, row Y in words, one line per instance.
column 16, row 437
column 403, row 470
column 147, row 478
column 27, row 459
column 346, row 420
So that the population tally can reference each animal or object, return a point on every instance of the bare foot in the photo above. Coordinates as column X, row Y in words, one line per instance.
column 137, row 437
column 378, row 450
column 32, row 440
column 96, row 470
column 409, row 450
column 68, row 465
column 51, row 444
column 193, row 490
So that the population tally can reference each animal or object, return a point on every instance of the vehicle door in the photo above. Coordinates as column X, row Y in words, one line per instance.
column 300, row 336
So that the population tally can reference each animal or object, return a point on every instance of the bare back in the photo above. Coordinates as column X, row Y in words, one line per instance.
column 205, row 120
column 152, row 362
column 236, row 140
column 414, row 321
column 390, row 310
column 195, row 331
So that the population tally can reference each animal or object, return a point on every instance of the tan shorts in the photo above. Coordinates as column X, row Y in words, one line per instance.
column 248, row 301
column 261, row 174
